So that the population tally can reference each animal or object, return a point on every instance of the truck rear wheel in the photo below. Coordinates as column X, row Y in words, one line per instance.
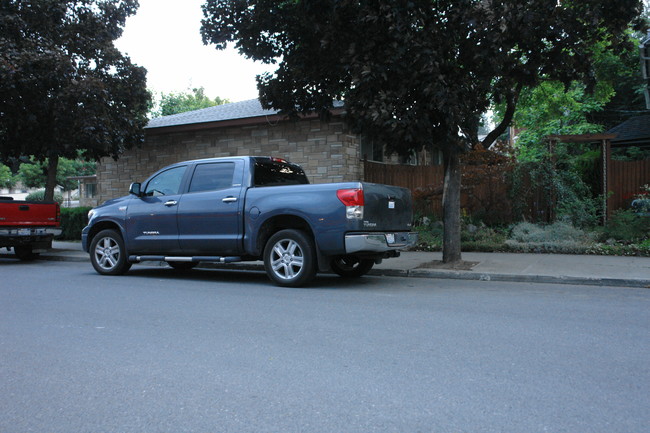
column 108, row 254
column 351, row 267
column 290, row 258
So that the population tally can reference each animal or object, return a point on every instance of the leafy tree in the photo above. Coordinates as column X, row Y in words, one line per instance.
column 63, row 84
column 417, row 74
column 7, row 179
column 34, row 173
column 174, row 103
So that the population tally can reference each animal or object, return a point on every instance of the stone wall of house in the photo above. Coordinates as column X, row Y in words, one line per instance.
column 326, row 150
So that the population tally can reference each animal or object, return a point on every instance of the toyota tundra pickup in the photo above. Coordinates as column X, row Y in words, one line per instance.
column 246, row 209
column 28, row 226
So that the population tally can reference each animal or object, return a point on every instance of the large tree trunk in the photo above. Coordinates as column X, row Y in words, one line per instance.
column 50, row 183
column 451, row 205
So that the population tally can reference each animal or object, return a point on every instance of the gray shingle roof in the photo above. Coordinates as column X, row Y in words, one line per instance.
column 634, row 128
column 218, row 113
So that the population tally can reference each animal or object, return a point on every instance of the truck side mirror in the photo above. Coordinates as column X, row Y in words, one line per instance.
column 135, row 189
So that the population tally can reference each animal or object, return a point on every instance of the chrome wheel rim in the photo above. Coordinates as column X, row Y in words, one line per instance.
column 287, row 259
column 107, row 253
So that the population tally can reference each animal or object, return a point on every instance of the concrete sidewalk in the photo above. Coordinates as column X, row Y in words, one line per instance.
column 532, row 268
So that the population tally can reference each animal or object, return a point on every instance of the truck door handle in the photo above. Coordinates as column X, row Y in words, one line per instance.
column 229, row 199
column 171, row 203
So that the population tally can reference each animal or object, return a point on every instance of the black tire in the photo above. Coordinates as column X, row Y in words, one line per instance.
column 108, row 254
column 290, row 258
column 183, row 266
column 351, row 266
column 25, row 253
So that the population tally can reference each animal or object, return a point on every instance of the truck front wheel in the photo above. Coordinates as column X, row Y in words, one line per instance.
column 290, row 258
column 107, row 253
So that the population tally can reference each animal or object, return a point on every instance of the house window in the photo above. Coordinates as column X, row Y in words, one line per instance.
column 410, row 159
column 372, row 150
column 91, row 190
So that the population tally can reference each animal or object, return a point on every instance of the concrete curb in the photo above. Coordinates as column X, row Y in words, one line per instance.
column 465, row 275
column 73, row 256
column 545, row 279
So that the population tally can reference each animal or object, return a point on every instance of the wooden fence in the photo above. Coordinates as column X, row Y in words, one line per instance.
column 492, row 199
column 489, row 199
column 624, row 182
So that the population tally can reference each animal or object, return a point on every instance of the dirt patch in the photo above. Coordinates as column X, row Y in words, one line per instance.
column 456, row 266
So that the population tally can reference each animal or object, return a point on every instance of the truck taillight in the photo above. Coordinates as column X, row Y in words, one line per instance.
column 58, row 212
column 353, row 200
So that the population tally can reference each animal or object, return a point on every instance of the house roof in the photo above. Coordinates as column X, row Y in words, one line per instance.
column 632, row 130
column 218, row 113
column 250, row 109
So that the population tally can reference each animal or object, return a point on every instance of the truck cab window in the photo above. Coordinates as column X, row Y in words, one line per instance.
column 275, row 173
column 166, row 183
column 212, row 177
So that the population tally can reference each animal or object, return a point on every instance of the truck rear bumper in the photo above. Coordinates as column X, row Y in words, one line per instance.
column 379, row 242
column 36, row 237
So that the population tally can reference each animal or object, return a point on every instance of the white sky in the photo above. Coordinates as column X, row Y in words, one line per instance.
column 164, row 37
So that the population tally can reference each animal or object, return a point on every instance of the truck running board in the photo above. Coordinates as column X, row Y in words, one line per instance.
column 214, row 259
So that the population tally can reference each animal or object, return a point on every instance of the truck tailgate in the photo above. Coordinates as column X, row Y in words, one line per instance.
column 29, row 214
column 387, row 208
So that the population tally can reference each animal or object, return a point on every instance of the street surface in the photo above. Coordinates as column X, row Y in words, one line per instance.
column 222, row 351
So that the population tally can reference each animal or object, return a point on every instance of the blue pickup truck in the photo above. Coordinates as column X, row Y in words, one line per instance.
column 246, row 209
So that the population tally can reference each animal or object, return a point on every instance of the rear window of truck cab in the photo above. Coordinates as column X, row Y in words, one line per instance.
column 270, row 172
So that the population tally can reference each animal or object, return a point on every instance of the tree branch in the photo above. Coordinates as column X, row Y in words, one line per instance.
column 511, row 105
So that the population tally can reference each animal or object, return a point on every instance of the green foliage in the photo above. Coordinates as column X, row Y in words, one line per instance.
column 558, row 237
column 557, row 232
column 550, row 108
column 474, row 237
column 626, row 225
column 40, row 196
column 63, row 84
column 641, row 249
column 7, row 179
column 622, row 70
column 631, row 153
column 33, row 174
column 564, row 191
column 73, row 220
column 174, row 103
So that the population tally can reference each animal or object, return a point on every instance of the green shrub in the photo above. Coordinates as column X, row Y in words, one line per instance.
column 40, row 196
column 626, row 225
column 556, row 232
column 621, row 249
column 559, row 237
column 73, row 220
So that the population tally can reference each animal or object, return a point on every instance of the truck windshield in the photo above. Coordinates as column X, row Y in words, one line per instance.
column 275, row 173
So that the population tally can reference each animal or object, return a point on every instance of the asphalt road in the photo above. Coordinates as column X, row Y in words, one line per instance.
column 211, row 351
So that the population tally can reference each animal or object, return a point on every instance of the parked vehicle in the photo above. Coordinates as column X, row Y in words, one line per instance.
column 28, row 226
column 250, row 208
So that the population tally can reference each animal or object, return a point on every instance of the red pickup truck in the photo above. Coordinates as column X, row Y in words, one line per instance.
column 28, row 226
